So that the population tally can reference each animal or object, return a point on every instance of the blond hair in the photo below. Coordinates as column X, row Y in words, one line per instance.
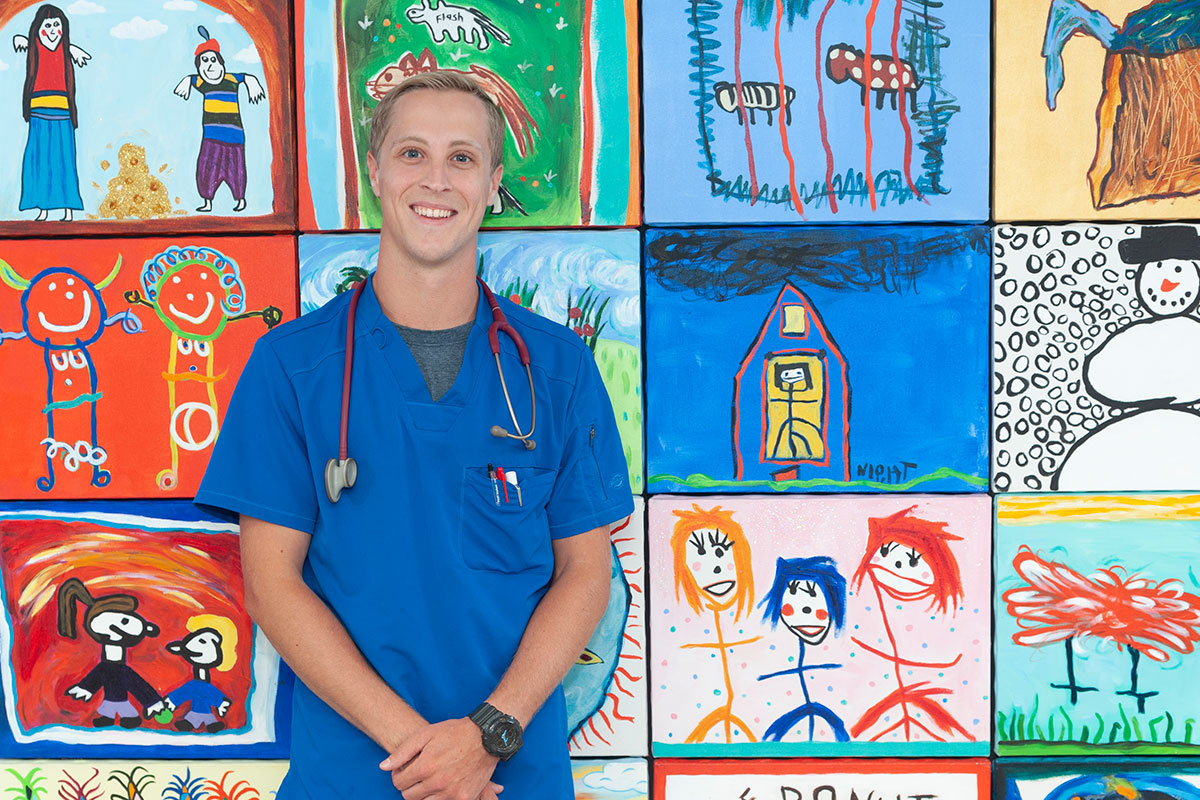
column 441, row 80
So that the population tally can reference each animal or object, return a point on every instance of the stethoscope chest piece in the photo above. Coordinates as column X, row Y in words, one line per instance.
column 339, row 475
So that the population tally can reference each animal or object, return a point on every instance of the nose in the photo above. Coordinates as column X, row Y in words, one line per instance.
column 716, row 570
column 436, row 177
column 151, row 629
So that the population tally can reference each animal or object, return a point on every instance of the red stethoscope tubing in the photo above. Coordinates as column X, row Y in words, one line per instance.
column 342, row 474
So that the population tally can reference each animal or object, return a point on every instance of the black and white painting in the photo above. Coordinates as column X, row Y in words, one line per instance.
column 1096, row 358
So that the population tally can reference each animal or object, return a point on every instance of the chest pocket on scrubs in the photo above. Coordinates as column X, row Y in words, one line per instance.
column 506, row 536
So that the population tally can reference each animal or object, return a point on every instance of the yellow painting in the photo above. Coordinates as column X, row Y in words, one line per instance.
column 1096, row 110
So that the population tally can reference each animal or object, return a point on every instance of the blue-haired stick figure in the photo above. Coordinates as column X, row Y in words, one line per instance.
column 809, row 597
column 62, row 313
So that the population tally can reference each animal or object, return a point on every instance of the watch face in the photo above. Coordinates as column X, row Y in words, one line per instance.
column 505, row 735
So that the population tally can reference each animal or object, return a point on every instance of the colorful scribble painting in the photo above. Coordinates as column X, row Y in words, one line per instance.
column 822, row 359
column 1137, row 779
column 1094, row 118
column 820, row 626
column 842, row 779
column 797, row 111
column 1094, row 326
column 1097, row 620
column 118, row 116
column 124, row 629
column 606, row 687
column 122, row 355
column 615, row 779
column 170, row 780
column 588, row 280
column 564, row 75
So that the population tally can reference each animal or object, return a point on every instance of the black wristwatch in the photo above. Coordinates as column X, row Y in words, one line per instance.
column 501, row 733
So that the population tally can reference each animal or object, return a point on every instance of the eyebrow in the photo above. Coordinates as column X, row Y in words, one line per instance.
column 455, row 143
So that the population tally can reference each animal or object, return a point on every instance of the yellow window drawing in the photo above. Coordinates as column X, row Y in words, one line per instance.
column 795, row 397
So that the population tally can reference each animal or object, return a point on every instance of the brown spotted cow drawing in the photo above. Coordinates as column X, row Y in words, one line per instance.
column 888, row 76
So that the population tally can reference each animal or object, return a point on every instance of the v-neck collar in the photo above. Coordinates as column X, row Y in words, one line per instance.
column 375, row 326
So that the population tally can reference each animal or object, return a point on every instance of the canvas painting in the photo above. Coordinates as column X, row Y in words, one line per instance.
column 615, row 779
column 588, row 280
column 170, row 780
column 121, row 116
column 606, row 687
column 801, row 111
column 1097, row 620
column 1093, row 112
column 928, row 779
column 564, row 75
column 1094, row 328
column 820, row 626
column 1067, row 780
column 125, row 626
column 822, row 359
column 121, row 356
column 1140, row 779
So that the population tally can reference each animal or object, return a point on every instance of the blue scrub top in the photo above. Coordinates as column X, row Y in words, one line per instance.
column 434, row 580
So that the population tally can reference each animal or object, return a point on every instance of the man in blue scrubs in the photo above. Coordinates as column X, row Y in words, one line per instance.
column 435, row 606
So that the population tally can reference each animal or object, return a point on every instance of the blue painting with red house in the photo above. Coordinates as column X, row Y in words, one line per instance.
column 817, row 359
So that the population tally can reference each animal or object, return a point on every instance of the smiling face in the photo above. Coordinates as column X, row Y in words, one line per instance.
column 50, row 32
column 711, row 563
column 124, row 629
column 188, row 301
column 210, row 66
column 62, row 310
column 901, row 572
column 433, row 177
column 806, row 611
column 202, row 648
column 1169, row 288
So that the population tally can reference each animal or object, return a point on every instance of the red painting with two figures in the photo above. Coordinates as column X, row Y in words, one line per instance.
column 120, row 356
column 122, row 626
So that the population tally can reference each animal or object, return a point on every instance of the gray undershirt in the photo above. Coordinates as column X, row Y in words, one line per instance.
column 439, row 354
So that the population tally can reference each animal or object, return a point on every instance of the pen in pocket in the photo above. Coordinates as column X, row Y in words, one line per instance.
column 495, row 488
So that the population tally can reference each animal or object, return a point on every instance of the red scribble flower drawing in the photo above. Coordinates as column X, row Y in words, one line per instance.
column 1057, row 604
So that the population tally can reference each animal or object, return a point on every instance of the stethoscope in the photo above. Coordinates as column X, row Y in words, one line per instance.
column 342, row 472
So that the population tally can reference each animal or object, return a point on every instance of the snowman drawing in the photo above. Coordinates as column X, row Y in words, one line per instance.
column 1150, row 369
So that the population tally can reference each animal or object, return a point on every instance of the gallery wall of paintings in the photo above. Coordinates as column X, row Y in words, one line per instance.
column 895, row 304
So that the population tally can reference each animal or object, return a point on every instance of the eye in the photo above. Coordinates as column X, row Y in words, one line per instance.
column 463, row 158
column 913, row 558
column 411, row 152
column 720, row 552
column 202, row 348
column 885, row 548
column 185, row 346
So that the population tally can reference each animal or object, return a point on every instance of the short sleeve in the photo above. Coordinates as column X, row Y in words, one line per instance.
column 259, row 465
column 592, row 488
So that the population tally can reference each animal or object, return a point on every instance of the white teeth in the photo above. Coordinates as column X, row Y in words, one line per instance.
column 434, row 213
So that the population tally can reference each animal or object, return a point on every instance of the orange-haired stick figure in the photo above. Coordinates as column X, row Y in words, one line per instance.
column 909, row 559
column 712, row 570
column 195, row 291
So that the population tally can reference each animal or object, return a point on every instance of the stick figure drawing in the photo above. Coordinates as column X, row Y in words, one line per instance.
column 809, row 598
column 907, row 560
column 712, row 571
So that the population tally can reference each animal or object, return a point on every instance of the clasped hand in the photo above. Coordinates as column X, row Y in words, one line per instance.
column 444, row 761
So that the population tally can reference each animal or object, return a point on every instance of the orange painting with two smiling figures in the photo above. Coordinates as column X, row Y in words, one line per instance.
column 119, row 357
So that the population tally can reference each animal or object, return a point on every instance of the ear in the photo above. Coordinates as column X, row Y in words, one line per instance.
column 373, row 172
column 496, row 176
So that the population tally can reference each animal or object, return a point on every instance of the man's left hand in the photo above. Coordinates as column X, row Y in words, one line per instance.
column 444, row 761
